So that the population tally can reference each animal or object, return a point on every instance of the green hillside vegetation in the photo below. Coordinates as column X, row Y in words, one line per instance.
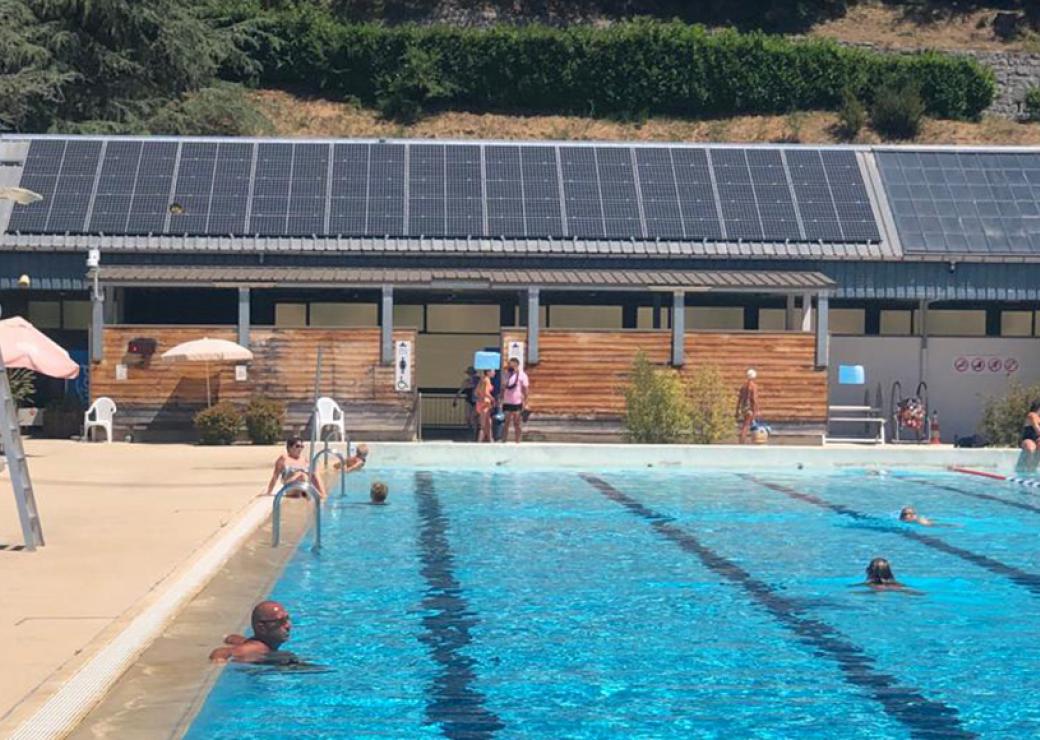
column 182, row 66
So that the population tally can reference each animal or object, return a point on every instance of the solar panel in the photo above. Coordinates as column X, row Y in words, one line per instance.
column 427, row 212
column 621, row 216
column 227, row 209
column 194, row 187
column 386, row 190
column 505, row 191
column 40, row 175
column 541, row 195
column 660, row 194
column 270, row 211
column 115, row 188
column 514, row 190
column 150, row 201
column 973, row 202
column 464, row 202
column 310, row 175
column 349, row 197
column 581, row 192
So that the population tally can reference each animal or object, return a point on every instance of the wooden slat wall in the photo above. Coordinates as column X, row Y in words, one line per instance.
column 580, row 374
column 282, row 367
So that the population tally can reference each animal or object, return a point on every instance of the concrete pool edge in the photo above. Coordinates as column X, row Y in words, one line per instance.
column 438, row 455
column 80, row 685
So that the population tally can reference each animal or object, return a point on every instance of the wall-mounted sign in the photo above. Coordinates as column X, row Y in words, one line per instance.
column 515, row 351
column 981, row 363
column 402, row 366
column 120, row 371
column 241, row 373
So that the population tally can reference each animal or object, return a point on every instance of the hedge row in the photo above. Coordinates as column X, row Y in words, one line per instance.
column 637, row 67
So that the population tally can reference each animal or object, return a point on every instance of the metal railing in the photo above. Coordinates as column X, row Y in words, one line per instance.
column 342, row 464
column 276, row 514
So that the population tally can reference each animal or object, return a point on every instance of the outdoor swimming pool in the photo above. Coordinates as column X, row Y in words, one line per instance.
column 655, row 604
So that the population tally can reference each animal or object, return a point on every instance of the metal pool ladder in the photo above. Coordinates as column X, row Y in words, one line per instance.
column 276, row 515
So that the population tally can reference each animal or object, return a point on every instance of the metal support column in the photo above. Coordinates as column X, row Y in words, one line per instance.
column 97, row 325
column 533, row 314
column 386, row 345
column 791, row 315
column 243, row 316
column 656, row 316
column 922, row 330
column 806, row 313
column 678, row 326
column 822, row 336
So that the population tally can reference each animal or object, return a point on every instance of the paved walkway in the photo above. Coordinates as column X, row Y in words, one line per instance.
column 118, row 519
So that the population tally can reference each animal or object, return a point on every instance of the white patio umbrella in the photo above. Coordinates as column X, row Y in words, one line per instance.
column 207, row 350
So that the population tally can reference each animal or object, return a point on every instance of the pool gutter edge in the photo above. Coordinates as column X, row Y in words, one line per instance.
column 87, row 685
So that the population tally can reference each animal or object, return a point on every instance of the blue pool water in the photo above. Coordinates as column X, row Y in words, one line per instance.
column 655, row 604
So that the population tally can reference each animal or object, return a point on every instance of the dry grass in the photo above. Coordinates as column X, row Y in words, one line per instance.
column 942, row 29
column 302, row 117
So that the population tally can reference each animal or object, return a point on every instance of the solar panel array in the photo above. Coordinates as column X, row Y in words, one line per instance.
column 122, row 186
column 964, row 202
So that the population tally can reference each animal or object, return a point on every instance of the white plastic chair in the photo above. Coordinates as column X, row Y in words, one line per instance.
column 100, row 414
column 329, row 414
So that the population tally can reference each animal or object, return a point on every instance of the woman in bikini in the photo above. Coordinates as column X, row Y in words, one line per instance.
column 485, row 397
column 1030, row 438
column 290, row 467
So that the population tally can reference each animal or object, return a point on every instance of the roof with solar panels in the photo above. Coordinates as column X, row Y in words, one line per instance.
column 165, row 194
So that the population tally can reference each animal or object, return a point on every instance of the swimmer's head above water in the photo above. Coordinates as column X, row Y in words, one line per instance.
column 271, row 623
column 907, row 514
column 879, row 572
column 378, row 492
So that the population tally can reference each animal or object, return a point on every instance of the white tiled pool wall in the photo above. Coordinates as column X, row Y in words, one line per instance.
column 598, row 456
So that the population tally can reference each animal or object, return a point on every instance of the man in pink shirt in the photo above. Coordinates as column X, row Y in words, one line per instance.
column 514, row 398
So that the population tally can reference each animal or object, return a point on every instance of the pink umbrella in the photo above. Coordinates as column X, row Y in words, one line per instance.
column 23, row 345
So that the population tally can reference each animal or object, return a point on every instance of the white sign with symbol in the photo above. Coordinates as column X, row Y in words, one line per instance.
column 120, row 371
column 403, row 366
column 516, row 352
column 241, row 373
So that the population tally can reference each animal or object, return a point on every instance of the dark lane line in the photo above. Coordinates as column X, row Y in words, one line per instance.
column 451, row 700
column 973, row 494
column 1027, row 580
column 923, row 717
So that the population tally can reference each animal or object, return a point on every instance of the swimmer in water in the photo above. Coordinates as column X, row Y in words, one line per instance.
column 908, row 515
column 271, row 628
column 378, row 492
column 881, row 578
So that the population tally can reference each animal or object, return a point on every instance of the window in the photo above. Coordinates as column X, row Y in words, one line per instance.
column 645, row 317
column 585, row 317
column 848, row 321
column 408, row 317
column 344, row 314
column 956, row 323
column 897, row 323
column 45, row 314
column 460, row 318
column 715, row 318
column 1016, row 323
column 772, row 319
column 290, row 315
column 75, row 314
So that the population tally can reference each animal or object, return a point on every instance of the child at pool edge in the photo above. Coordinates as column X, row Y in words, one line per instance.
column 356, row 461
column 378, row 493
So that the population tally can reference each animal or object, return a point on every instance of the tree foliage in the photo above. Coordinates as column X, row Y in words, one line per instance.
column 1004, row 416
column 70, row 62
column 657, row 409
column 711, row 405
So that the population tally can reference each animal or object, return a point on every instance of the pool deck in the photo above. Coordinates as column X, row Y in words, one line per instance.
column 124, row 522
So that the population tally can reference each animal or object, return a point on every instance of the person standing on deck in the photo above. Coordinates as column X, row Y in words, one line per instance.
column 747, row 405
column 514, row 398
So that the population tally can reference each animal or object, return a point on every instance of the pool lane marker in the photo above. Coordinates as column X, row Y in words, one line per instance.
column 972, row 494
column 451, row 701
column 1027, row 482
column 1027, row 580
column 924, row 717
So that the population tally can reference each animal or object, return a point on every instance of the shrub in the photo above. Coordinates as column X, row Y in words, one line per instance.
column 23, row 384
column 264, row 418
column 657, row 409
column 852, row 116
column 1004, row 416
column 221, row 110
column 711, row 405
column 663, row 68
column 219, row 424
column 1031, row 104
column 897, row 112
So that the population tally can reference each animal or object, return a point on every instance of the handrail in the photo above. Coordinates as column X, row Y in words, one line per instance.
column 276, row 514
column 342, row 465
